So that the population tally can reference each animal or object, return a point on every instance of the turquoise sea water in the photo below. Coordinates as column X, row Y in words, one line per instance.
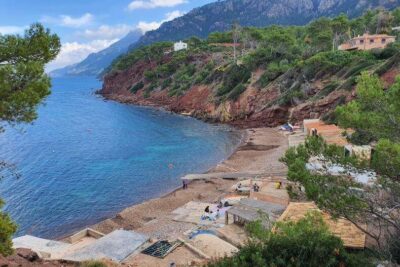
column 85, row 159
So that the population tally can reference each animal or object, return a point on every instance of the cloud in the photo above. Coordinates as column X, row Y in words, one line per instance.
column 101, row 38
column 148, row 4
column 12, row 29
column 153, row 25
column 68, row 21
column 73, row 52
column 107, row 32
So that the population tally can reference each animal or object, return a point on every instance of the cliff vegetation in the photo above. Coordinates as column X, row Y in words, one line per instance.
column 257, row 76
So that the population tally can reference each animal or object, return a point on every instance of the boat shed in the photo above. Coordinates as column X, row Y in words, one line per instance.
column 250, row 210
column 115, row 246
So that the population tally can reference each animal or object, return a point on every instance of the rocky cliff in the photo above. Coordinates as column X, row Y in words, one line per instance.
column 279, row 73
column 255, row 107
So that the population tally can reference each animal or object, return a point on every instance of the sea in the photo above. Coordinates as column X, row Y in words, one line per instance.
column 85, row 159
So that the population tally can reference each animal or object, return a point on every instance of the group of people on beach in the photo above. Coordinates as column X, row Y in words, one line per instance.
column 210, row 215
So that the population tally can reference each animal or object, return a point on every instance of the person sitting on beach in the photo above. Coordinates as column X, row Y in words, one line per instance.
column 207, row 209
column 238, row 186
column 256, row 188
column 279, row 185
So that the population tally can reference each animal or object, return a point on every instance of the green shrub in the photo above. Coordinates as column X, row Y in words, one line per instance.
column 150, row 75
column 92, row 264
column 358, row 68
column 349, row 83
column 273, row 71
column 204, row 73
column 391, row 50
column 291, row 95
column 390, row 63
column 138, row 86
column 307, row 243
column 232, row 77
column 328, row 89
column 8, row 228
column 331, row 62
column 153, row 53
column 236, row 92
column 152, row 86
column 146, row 93
column 386, row 159
column 167, row 82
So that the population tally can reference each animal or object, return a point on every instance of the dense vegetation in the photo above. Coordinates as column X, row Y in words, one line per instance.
column 23, row 86
column 291, row 56
column 374, row 114
column 218, row 16
column 307, row 242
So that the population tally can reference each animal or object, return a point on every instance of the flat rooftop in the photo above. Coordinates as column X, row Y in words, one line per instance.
column 252, row 210
column 116, row 246
column 48, row 248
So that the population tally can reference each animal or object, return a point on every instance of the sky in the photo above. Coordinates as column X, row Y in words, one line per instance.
column 87, row 26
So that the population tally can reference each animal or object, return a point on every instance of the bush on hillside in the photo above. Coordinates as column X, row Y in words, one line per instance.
column 138, row 86
column 232, row 77
column 273, row 71
column 236, row 92
column 150, row 75
column 92, row 264
column 167, row 82
column 307, row 242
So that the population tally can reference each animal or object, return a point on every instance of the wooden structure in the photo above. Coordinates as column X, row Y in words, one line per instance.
column 250, row 210
column 352, row 236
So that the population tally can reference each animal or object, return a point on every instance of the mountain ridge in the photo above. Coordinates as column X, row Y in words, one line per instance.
column 95, row 63
column 219, row 16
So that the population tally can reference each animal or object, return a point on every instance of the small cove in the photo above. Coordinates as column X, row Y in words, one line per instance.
column 85, row 159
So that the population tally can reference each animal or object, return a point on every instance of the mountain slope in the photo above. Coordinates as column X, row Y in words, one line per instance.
column 284, row 74
column 219, row 16
column 95, row 63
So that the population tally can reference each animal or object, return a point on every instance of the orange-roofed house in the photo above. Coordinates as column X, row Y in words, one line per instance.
column 368, row 42
column 331, row 133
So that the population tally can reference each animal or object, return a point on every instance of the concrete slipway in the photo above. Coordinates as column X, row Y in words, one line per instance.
column 115, row 246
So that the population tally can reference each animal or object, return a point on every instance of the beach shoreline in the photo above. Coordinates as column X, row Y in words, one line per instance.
column 153, row 217
column 243, row 138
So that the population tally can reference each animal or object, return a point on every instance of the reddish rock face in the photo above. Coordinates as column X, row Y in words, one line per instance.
column 28, row 258
column 254, row 108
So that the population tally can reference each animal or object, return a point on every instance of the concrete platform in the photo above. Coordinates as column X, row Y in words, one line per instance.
column 45, row 248
column 192, row 212
column 213, row 246
column 116, row 246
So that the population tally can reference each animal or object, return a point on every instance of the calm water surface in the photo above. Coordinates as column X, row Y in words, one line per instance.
column 85, row 159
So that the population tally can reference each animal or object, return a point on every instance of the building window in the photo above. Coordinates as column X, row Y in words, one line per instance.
column 383, row 40
column 371, row 41
column 361, row 41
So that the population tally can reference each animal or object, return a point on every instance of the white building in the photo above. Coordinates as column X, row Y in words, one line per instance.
column 180, row 46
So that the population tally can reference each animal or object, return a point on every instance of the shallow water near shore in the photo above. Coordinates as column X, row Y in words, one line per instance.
column 85, row 159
